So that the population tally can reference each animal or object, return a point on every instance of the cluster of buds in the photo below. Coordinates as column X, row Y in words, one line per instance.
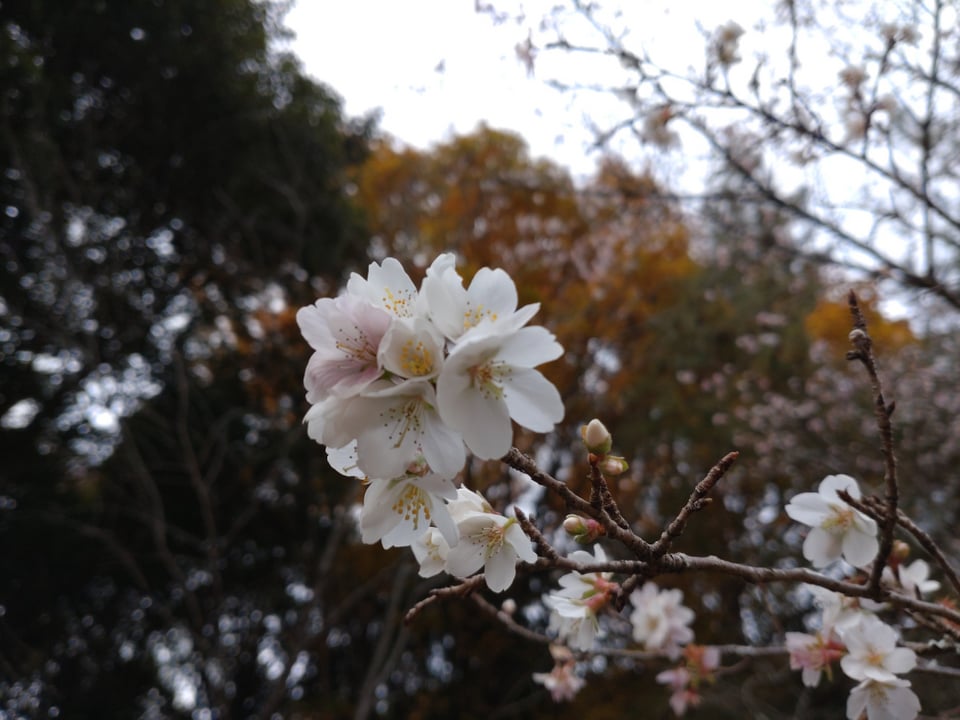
column 599, row 442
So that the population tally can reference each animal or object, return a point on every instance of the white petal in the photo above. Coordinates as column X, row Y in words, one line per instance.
column 344, row 460
column 412, row 348
column 532, row 400
column 522, row 545
column 494, row 291
column 483, row 422
column 500, row 569
column 529, row 347
column 821, row 548
column 859, row 548
column 465, row 559
column 832, row 484
column 856, row 703
column 901, row 660
column 442, row 446
column 808, row 508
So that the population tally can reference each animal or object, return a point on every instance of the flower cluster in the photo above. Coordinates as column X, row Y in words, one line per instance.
column 403, row 381
column 866, row 648
column 850, row 630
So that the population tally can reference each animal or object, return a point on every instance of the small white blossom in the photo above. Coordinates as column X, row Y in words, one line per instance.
column 872, row 652
column 660, row 620
column 398, row 511
column 575, row 607
column 813, row 654
column 488, row 378
column 888, row 700
column 838, row 530
column 431, row 550
column 491, row 541
column 912, row 578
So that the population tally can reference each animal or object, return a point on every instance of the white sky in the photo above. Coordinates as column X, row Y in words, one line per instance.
column 434, row 67
column 437, row 67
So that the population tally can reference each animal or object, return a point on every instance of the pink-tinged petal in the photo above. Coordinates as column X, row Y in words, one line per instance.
column 532, row 400
column 500, row 569
column 859, row 549
column 313, row 325
column 808, row 508
column 821, row 548
column 529, row 347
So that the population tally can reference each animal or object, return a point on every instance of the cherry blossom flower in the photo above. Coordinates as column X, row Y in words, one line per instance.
column 562, row 682
column 840, row 611
column 576, row 607
column 872, row 652
column 488, row 378
column 491, row 297
column 398, row 511
column 387, row 286
column 491, row 541
column 431, row 550
column 888, row 700
column 660, row 620
column 683, row 696
column 838, row 530
column 686, row 680
column 912, row 578
column 412, row 348
column 393, row 426
column 345, row 334
column 814, row 654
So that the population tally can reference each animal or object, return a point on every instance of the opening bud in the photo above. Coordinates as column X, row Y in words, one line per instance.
column 583, row 530
column 596, row 437
column 613, row 465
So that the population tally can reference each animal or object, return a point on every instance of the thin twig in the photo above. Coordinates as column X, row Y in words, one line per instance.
column 546, row 549
column 697, row 501
column 507, row 621
column 601, row 498
column 882, row 410
column 523, row 463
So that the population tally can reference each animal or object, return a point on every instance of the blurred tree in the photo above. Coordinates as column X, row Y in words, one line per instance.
column 842, row 115
column 172, row 185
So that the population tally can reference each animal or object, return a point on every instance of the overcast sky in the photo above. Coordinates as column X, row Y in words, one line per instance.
column 434, row 67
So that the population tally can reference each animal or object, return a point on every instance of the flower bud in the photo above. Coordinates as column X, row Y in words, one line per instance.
column 509, row 606
column 596, row 437
column 901, row 551
column 583, row 530
column 613, row 465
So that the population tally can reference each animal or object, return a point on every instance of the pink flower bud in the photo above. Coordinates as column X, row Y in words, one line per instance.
column 596, row 437
column 583, row 530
